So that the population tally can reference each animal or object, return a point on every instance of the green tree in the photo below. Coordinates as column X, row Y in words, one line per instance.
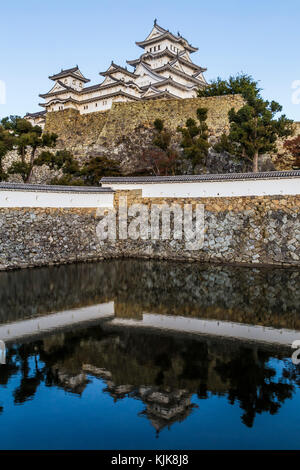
column 7, row 142
column 195, row 138
column 254, row 128
column 26, row 137
column 162, row 139
column 61, row 160
column 90, row 173
column 242, row 84
column 97, row 167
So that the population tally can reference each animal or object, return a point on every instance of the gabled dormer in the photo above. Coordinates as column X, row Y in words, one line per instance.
column 156, row 31
column 72, row 78
column 117, row 72
column 160, row 38
column 58, row 86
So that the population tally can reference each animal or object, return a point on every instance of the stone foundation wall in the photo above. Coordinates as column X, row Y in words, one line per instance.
column 254, row 229
column 78, row 133
column 125, row 131
column 36, row 236
column 250, row 230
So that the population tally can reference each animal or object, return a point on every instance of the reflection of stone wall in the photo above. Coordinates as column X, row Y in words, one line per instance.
column 269, row 297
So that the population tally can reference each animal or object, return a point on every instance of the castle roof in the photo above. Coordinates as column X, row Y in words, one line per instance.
column 35, row 115
column 90, row 100
column 88, row 89
column 72, row 72
column 167, row 52
column 172, row 82
column 159, row 95
column 183, row 61
column 53, row 93
column 151, row 71
column 151, row 55
column 178, row 72
column 158, row 33
column 203, row 177
column 115, row 68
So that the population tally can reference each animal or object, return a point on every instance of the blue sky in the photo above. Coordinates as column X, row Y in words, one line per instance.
column 38, row 38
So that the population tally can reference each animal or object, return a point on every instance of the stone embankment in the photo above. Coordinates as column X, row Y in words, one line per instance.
column 248, row 219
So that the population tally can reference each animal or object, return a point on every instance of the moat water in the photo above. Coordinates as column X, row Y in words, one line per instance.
column 134, row 354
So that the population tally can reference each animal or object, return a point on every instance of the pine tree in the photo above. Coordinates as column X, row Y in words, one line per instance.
column 26, row 137
column 254, row 128
column 195, row 138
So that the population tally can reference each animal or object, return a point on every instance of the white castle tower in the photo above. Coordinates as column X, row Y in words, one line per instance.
column 164, row 71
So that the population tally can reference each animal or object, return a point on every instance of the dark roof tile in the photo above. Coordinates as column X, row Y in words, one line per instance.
column 196, row 178
column 54, row 188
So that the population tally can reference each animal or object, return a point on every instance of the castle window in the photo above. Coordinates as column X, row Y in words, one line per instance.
column 80, row 84
column 150, row 49
column 96, row 105
column 158, row 47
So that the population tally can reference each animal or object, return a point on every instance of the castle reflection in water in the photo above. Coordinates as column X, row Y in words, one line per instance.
column 162, row 368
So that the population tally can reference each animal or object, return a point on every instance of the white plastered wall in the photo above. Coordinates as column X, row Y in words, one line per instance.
column 234, row 188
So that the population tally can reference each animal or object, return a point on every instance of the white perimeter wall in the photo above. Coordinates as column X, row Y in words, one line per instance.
column 18, row 198
column 265, row 187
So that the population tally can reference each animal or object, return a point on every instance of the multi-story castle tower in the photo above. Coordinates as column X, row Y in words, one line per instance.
column 164, row 71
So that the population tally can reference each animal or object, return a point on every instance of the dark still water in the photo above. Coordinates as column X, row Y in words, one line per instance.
column 134, row 354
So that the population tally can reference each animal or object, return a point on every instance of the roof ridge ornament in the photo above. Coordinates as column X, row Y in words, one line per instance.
column 155, row 21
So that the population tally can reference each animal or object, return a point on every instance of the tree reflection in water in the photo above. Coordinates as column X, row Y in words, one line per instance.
column 163, row 371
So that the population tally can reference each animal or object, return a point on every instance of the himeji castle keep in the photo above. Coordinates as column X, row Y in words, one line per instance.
column 163, row 71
